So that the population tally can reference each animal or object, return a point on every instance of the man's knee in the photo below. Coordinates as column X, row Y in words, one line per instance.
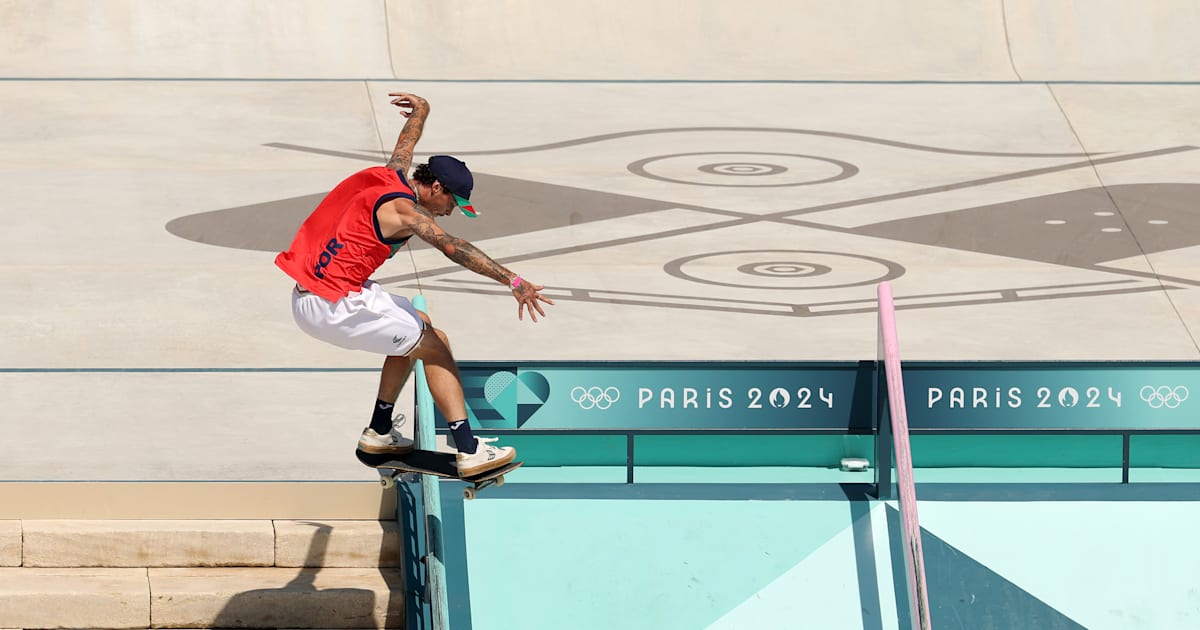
column 442, row 335
column 433, row 341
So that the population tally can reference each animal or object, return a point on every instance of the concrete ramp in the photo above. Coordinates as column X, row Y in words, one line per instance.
column 273, row 39
column 573, row 40
column 1104, row 40
column 778, row 40
column 693, row 181
column 673, row 218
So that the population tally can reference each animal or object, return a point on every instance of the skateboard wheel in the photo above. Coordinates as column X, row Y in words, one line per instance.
column 499, row 481
column 469, row 493
column 387, row 482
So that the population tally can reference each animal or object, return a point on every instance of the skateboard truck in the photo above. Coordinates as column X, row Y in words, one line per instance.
column 469, row 493
column 387, row 479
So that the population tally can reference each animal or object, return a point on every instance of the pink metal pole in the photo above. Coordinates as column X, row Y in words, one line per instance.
column 914, row 558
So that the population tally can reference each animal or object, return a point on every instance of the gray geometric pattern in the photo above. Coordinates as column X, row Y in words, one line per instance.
column 1082, row 228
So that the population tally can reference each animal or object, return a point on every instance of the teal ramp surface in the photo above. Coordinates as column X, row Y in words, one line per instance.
column 517, row 560
column 661, row 563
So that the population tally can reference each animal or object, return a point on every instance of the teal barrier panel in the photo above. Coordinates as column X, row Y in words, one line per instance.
column 1053, row 395
column 615, row 395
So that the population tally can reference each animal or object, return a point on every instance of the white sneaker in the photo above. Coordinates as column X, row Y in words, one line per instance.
column 391, row 443
column 486, row 457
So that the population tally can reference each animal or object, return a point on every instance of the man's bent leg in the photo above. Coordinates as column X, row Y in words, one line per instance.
column 441, row 372
column 380, row 437
column 375, row 321
column 391, row 380
column 393, row 377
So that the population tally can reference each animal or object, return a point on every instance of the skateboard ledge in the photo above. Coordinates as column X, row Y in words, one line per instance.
column 354, row 500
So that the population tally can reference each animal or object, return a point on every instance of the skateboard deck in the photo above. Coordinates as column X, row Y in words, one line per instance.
column 434, row 463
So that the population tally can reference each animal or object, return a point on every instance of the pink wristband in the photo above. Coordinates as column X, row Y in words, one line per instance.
column 516, row 282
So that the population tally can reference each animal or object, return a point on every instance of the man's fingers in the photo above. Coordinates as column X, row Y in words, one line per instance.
column 529, row 306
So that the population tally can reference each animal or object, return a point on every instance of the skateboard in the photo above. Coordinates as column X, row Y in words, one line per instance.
column 433, row 463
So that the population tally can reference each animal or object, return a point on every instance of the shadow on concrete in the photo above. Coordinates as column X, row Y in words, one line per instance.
column 303, row 604
column 524, row 206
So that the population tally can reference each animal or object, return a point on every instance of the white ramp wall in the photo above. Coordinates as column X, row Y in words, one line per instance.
column 1105, row 40
column 752, row 40
column 193, row 39
column 700, row 40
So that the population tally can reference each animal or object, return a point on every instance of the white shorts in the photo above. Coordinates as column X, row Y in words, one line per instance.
column 372, row 320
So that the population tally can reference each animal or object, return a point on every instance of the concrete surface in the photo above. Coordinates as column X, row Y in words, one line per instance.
column 10, row 543
column 175, row 38
column 196, row 500
column 930, row 40
column 338, row 544
column 1016, row 219
column 201, row 598
column 277, row 598
column 181, row 543
column 707, row 40
column 75, row 598
column 1103, row 40
column 142, row 543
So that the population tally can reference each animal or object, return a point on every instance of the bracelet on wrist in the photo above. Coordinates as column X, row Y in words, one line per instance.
column 515, row 282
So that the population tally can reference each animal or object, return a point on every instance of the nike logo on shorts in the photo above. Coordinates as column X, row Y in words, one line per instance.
column 399, row 340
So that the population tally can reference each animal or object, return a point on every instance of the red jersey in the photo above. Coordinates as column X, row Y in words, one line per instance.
column 339, row 245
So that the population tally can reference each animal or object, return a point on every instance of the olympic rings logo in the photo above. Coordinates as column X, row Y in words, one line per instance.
column 595, row 397
column 1164, row 396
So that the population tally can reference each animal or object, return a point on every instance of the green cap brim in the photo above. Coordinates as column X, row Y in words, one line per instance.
column 464, row 204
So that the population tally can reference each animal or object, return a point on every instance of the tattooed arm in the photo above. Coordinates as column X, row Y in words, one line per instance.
column 527, row 294
column 457, row 249
column 403, row 153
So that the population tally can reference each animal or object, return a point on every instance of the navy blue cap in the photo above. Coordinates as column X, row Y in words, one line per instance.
column 453, row 173
column 456, row 178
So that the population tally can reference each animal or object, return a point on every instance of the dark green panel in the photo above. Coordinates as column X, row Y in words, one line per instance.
column 568, row 450
column 1016, row 451
column 750, row 450
column 1164, row 451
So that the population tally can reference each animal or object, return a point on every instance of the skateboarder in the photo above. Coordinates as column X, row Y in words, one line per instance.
column 357, row 227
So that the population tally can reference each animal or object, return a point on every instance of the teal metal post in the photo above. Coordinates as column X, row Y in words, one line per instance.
column 426, row 438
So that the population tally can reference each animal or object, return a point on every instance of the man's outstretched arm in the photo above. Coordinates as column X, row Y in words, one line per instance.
column 402, row 155
column 528, row 294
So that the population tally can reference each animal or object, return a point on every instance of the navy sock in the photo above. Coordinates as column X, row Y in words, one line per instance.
column 381, row 420
column 464, row 439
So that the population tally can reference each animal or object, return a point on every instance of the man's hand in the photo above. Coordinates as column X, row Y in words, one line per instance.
column 411, row 101
column 418, row 110
column 528, row 295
